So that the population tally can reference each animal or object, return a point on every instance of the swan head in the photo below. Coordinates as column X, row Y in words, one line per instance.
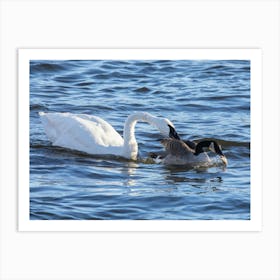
column 167, row 128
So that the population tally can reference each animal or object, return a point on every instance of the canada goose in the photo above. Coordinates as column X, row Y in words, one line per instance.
column 179, row 152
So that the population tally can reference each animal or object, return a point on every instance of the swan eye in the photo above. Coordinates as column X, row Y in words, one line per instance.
column 172, row 133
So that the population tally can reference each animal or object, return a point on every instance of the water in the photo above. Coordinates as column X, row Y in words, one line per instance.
column 204, row 99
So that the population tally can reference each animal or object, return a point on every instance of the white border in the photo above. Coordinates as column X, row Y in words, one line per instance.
column 24, row 57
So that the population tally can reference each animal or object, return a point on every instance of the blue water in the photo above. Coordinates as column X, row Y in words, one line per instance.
column 204, row 99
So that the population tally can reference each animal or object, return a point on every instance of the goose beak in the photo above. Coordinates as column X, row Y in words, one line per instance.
column 224, row 160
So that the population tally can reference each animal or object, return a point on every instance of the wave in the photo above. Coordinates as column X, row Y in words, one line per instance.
column 227, row 143
column 38, row 107
column 45, row 67
column 142, row 89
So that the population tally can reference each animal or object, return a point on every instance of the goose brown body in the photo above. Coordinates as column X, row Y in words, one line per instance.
column 178, row 152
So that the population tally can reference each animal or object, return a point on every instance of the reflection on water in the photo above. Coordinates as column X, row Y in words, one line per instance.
column 128, row 172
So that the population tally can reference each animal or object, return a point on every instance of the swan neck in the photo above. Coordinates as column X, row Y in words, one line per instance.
column 130, row 143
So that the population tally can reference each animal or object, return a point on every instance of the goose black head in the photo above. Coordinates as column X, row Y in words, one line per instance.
column 172, row 133
column 213, row 146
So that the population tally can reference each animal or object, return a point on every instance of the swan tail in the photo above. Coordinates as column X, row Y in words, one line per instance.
column 49, row 128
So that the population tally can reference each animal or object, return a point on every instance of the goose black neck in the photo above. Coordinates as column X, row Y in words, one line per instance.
column 206, row 144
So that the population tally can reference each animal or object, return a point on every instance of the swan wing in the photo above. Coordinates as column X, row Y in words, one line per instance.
column 81, row 132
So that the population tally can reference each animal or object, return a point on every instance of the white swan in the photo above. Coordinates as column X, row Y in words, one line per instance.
column 179, row 152
column 93, row 135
